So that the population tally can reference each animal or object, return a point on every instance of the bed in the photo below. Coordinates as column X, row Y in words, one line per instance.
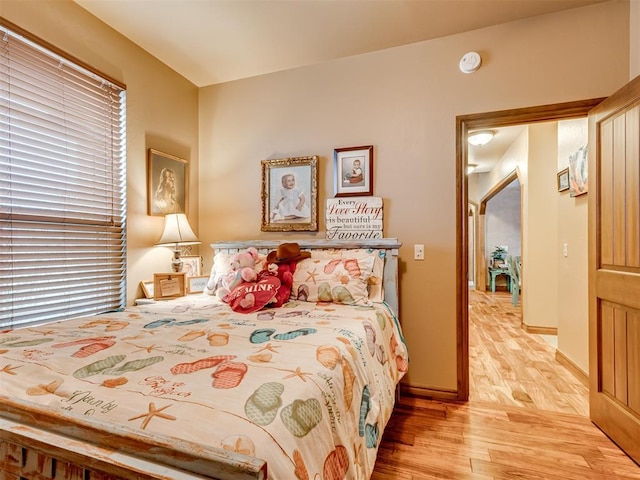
column 187, row 388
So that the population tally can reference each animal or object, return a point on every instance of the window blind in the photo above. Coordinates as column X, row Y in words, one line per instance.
column 62, row 187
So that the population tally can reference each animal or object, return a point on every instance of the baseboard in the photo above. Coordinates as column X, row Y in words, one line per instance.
column 540, row 330
column 429, row 393
column 575, row 370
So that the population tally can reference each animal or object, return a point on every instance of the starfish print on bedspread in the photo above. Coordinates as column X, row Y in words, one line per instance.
column 296, row 373
column 9, row 369
column 153, row 412
column 271, row 348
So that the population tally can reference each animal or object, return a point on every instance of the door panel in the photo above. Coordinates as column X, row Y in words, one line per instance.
column 614, row 267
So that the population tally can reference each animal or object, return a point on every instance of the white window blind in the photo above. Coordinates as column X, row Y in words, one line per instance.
column 62, row 187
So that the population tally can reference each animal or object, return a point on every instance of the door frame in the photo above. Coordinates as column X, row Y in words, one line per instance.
column 464, row 123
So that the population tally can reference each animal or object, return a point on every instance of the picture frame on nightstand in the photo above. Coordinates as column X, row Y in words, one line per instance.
column 169, row 285
column 147, row 288
column 197, row 283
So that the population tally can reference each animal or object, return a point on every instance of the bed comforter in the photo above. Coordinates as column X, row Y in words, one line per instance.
column 307, row 387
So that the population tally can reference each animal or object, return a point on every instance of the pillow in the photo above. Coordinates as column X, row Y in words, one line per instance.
column 221, row 266
column 253, row 296
column 375, row 285
column 340, row 278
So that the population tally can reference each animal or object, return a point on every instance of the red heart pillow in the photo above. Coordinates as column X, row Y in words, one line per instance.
column 252, row 296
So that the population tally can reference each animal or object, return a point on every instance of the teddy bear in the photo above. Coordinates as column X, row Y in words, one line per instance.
column 284, row 272
column 244, row 267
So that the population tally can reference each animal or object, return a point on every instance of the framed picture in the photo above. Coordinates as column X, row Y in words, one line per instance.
column 168, row 285
column 353, row 171
column 578, row 169
column 147, row 288
column 167, row 184
column 191, row 265
column 563, row 180
column 290, row 194
column 197, row 284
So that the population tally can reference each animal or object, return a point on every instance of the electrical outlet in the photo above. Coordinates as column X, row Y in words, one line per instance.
column 418, row 252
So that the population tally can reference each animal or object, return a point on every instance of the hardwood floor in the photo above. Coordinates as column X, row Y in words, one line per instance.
column 511, row 367
column 526, row 417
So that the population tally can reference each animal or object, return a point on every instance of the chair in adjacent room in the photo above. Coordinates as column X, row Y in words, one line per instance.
column 515, row 273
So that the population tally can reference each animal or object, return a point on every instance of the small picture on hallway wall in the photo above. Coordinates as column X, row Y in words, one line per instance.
column 563, row 180
column 578, row 169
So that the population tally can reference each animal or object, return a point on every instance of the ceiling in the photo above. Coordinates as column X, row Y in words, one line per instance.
column 214, row 41
column 485, row 157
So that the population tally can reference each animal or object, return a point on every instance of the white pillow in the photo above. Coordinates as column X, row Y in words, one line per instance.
column 221, row 266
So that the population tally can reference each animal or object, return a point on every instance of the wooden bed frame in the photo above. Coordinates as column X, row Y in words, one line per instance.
column 36, row 443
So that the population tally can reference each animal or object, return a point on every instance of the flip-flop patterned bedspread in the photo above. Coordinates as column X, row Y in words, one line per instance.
column 307, row 387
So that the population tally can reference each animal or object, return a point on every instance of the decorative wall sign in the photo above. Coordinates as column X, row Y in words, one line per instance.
column 354, row 218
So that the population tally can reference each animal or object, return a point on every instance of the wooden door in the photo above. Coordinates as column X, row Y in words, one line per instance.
column 614, row 267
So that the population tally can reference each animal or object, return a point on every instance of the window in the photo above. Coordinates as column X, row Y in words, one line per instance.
column 62, row 186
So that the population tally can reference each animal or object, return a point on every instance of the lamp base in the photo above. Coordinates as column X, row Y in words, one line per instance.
column 176, row 261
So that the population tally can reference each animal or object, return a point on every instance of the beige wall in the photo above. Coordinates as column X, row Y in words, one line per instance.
column 540, row 269
column 161, row 113
column 573, row 312
column 404, row 102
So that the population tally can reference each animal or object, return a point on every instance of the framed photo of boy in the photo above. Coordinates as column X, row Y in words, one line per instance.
column 167, row 183
column 290, row 194
column 353, row 171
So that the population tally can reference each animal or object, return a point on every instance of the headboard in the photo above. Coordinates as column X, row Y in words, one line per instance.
column 390, row 245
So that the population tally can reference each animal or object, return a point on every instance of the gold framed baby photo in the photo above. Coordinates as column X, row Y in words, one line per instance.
column 290, row 194
column 353, row 171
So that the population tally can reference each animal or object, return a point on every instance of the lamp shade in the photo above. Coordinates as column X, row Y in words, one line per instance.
column 177, row 231
column 481, row 137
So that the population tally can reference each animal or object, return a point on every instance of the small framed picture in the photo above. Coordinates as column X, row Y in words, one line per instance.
column 353, row 171
column 167, row 184
column 563, row 180
column 147, row 288
column 197, row 284
column 290, row 194
column 191, row 265
column 168, row 285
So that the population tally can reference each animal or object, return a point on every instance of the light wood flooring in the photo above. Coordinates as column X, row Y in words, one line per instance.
column 511, row 367
column 526, row 417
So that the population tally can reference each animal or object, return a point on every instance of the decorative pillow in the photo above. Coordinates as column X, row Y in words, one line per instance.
column 250, row 297
column 375, row 285
column 338, row 279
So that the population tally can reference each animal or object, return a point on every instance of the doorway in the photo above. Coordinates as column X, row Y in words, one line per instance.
column 489, row 120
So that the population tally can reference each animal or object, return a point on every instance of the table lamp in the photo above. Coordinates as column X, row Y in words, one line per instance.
column 177, row 231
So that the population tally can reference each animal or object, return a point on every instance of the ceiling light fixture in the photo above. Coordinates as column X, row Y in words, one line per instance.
column 481, row 137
